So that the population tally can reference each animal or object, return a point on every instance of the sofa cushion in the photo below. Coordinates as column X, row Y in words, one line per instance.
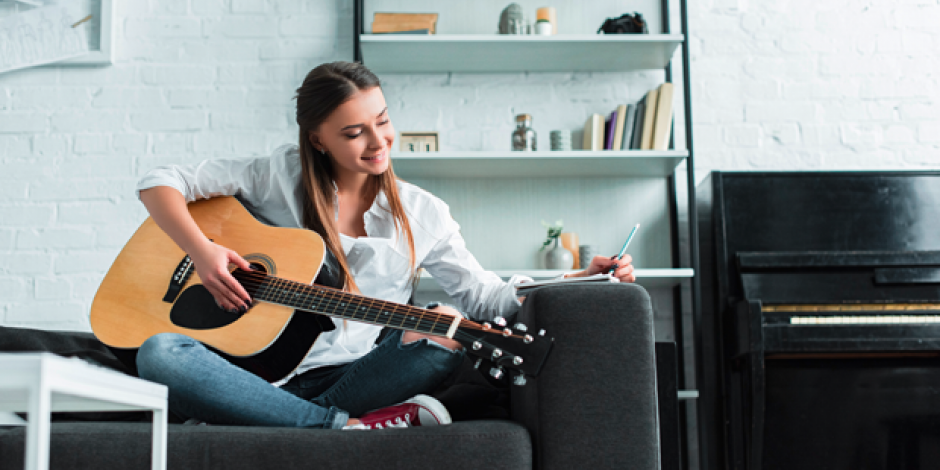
column 114, row 445
column 599, row 383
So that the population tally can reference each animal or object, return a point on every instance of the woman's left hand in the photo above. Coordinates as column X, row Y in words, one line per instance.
column 602, row 264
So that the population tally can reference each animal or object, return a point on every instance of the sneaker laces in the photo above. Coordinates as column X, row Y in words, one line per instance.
column 399, row 423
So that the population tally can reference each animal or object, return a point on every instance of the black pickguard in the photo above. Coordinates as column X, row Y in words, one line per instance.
column 196, row 309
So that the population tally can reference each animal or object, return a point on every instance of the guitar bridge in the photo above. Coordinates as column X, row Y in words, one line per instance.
column 182, row 274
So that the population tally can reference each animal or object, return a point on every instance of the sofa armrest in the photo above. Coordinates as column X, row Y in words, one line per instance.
column 594, row 403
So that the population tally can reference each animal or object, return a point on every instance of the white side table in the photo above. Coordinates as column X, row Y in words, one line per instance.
column 40, row 383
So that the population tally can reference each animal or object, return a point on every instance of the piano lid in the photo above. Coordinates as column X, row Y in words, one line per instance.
column 840, row 277
column 828, row 237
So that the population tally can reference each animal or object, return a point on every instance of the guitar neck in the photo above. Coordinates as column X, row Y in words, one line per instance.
column 340, row 304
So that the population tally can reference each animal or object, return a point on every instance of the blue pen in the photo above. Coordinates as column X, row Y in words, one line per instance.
column 623, row 250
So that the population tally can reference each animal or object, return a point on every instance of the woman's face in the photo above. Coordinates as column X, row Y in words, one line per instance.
column 358, row 134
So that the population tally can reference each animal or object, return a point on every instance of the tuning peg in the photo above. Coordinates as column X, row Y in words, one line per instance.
column 497, row 373
column 497, row 353
column 519, row 380
column 520, row 327
column 517, row 360
column 527, row 339
column 476, row 365
column 541, row 332
column 500, row 321
column 507, row 332
column 477, row 345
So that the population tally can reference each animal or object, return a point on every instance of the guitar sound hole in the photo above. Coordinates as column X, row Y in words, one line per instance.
column 196, row 309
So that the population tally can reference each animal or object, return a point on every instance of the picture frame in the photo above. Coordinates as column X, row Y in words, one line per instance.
column 101, row 34
column 419, row 142
column 96, row 15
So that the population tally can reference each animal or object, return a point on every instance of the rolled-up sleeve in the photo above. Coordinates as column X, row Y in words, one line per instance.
column 248, row 178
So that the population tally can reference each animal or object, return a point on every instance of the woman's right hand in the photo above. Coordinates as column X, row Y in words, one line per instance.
column 212, row 264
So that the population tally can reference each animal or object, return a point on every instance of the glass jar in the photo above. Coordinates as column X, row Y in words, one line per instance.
column 523, row 138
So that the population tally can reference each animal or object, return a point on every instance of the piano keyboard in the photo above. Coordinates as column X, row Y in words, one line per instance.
column 896, row 307
column 865, row 320
column 871, row 314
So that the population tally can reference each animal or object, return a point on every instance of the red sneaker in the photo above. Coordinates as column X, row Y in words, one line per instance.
column 420, row 410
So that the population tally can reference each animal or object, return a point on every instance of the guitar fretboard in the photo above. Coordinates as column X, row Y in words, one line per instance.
column 336, row 303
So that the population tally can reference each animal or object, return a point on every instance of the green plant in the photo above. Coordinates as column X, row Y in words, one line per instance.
column 554, row 231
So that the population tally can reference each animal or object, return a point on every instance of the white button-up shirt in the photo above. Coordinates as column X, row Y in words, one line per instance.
column 270, row 189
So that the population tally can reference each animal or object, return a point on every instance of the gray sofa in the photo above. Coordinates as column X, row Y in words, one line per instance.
column 593, row 406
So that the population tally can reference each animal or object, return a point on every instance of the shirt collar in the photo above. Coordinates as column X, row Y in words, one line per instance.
column 370, row 216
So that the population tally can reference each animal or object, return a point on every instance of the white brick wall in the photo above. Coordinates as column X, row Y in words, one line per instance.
column 776, row 85
column 192, row 79
column 815, row 85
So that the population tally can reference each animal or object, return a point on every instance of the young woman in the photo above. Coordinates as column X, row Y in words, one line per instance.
column 338, row 182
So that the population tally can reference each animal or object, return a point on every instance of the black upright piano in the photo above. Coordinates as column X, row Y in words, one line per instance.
column 820, row 322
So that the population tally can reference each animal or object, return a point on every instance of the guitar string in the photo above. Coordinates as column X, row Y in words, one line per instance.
column 410, row 317
column 458, row 334
column 334, row 297
column 284, row 287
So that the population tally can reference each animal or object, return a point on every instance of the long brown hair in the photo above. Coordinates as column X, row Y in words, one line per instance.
column 327, row 87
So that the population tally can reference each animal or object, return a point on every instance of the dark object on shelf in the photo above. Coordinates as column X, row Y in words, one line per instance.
column 626, row 24
column 821, row 305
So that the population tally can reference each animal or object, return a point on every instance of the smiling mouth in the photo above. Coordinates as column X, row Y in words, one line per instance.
column 376, row 158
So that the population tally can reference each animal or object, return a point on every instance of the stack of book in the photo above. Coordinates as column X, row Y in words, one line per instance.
column 404, row 23
column 646, row 125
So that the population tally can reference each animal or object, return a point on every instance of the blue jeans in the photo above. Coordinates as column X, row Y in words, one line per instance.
column 205, row 386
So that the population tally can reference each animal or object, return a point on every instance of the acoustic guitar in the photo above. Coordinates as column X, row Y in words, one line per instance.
column 152, row 288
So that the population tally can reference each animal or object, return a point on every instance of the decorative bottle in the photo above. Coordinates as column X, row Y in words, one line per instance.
column 523, row 138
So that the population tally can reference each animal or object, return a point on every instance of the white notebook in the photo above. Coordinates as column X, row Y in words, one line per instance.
column 526, row 287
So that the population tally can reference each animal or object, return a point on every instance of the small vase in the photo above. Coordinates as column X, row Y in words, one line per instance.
column 557, row 257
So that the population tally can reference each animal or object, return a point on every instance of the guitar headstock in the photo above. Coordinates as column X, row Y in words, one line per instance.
column 501, row 349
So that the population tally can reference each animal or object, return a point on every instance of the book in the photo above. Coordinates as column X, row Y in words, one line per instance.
column 410, row 31
column 618, row 127
column 628, row 125
column 523, row 288
column 395, row 22
column 609, row 133
column 593, row 133
column 649, row 120
column 662, row 130
column 638, row 124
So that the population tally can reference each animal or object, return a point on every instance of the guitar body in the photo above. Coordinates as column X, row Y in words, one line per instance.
column 136, row 300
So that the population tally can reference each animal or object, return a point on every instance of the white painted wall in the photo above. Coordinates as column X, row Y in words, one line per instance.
column 776, row 85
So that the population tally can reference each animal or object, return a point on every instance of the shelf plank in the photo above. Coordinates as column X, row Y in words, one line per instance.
column 508, row 164
column 494, row 53
column 648, row 278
